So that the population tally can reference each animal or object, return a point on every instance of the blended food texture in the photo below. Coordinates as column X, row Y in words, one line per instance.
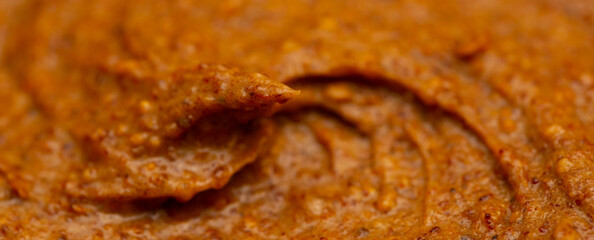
column 273, row 119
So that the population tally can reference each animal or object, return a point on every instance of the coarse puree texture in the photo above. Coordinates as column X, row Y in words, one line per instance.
column 304, row 119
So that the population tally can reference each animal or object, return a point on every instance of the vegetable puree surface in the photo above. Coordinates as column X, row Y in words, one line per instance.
column 270, row 119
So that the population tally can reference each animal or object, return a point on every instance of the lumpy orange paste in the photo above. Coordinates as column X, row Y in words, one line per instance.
column 236, row 119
